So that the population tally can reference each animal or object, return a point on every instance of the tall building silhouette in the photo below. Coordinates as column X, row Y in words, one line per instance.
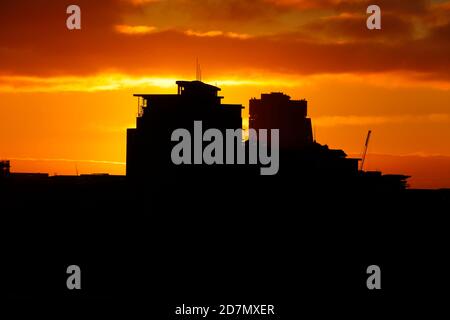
column 299, row 155
column 277, row 110
column 149, row 144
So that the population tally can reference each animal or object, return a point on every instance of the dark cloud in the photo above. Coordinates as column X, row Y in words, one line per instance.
column 414, row 7
column 410, row 7
column 35, row 41
column 352, row 28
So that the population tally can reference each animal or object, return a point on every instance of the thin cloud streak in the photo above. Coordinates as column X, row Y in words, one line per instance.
column 135, row 30
column 111, row 82
column 353, row 120
column 118, row 81
column 218, row 33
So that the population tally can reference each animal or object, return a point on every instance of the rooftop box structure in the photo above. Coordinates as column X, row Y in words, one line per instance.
column 4, row 168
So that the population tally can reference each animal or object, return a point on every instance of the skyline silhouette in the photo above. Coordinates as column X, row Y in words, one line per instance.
column 312, row 165
column 178, row 226
column 65, row 94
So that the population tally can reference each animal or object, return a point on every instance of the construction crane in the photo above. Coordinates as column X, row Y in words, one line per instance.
column 366, row 146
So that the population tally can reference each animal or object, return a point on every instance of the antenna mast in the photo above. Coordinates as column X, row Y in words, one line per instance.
column 198, row 75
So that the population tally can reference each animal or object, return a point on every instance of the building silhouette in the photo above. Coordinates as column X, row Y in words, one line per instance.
column 4, row 168
column 149, row 144
column 302, row 159
column 277, row 110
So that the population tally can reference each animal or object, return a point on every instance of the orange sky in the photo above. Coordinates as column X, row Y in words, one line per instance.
column 66, row 96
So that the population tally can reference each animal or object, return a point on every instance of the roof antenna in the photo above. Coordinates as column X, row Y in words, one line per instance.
column 198, row 75
column 196, row 69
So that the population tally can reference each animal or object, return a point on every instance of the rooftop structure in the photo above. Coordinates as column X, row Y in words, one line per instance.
column 4, row 168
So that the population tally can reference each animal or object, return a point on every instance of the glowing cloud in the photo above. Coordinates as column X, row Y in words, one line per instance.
column 134, row 30
column 217, row 33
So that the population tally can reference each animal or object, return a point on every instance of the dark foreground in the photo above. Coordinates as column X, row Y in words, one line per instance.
column 145, row 250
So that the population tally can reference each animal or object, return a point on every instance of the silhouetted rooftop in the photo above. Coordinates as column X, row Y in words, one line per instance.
column 197, row 85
